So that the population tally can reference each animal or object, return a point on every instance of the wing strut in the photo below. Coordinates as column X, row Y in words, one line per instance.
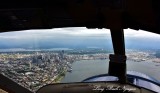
column 117, row 64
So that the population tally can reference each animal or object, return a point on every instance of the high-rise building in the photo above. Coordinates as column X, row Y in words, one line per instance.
column 61, row 54
column 30, row 65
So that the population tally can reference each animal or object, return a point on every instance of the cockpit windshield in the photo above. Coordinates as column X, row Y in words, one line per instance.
column 34, row 58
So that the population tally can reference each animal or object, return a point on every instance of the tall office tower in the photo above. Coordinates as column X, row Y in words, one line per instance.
column 61, row 54
column 30, row 65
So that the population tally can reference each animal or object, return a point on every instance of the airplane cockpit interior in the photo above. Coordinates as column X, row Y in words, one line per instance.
column 70, row 35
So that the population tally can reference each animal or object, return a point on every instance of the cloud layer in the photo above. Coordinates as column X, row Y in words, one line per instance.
column 76, row 36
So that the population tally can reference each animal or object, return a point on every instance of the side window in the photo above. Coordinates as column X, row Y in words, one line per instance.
column 142, row 49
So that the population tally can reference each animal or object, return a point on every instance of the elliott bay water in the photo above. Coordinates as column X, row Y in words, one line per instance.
column 88, row 68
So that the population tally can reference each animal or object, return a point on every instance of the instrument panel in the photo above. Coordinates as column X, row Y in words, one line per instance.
column 92, row 87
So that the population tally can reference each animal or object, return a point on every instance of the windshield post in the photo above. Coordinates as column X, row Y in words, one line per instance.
column 117, row 64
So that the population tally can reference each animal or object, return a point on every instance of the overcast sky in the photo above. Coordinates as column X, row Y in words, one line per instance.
column 71, row 36
column 73, row 32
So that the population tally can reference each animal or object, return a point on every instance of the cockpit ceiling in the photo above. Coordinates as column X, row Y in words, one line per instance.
column 110, row 14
